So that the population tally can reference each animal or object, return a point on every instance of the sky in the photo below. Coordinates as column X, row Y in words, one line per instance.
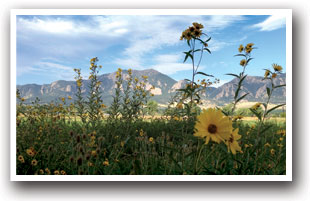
column 48, row 48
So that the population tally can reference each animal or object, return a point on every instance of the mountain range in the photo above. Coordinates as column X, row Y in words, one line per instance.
column 165, row 88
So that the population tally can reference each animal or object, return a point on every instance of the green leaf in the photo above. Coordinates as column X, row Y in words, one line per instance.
column 282, row 85
column 242, row 97
column 241, row 80
column 265, row 105
column 257, row 114
column 268, row 91
column 265, row 129
column 208, row 39
column 249, row 60
column 238, row 55
column 275, row 107
column 237, row 76
column 202, row 73
column 188, row 54
column 197, row 50
column 237, row 92
column 207, row 50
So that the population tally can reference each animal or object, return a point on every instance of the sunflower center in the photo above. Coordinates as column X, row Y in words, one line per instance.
column 212, row 128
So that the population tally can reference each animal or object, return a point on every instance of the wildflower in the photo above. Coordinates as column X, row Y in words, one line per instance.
column 69, row 97
column 277, row 67
column 106, row 163
column 205, row 44
column 103, row 106
column 94, row 153
column 63, row 99
column 144, row 77
column 232, row 143
column 274, row 75
column 34, row 162
column 151, row 139
column 267, row 145
column 56, row 172
column 21, row 158
column 243, row 62
column 176, row 118
column 256, row 106
column 267, row 73
column 31, row 152
column 281, row 138
column 122, row 143
column 90, row 164
column 22, row 99
column 280, row 145
column 129, row 71
column 180, row 105
column 187, row 34
column 47, row 171
column 212, row 124
column 41, row 171
column 197, row 25
column 281, row 132
column 241, row 48
column 197, row 33
column 272, row 151
column 63, row 172
column 141, row 133
column 237, row 117
column 246, row 145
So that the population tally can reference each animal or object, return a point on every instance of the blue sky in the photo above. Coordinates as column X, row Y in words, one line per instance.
column 50, row 47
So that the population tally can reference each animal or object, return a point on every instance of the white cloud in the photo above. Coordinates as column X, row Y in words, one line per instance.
column 271, row 23
column 216, row 22
column 171, row 68
column 50, row 69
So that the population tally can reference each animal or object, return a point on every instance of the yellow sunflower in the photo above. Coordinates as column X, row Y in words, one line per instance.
column 241, row 48
column 232, row 143
column 267, row 73
column 243, row 62
column 212, row 124
column 277, row 67
column 197, row 25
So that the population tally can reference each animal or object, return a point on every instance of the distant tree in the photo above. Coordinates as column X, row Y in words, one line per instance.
column 152, row 107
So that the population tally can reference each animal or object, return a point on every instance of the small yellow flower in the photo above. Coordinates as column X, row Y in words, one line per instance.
column 197, row 25
column 21, row 159
column 281, row 132
column 122, row 143
column 141, row 133
column 22, row 99
column 34, row 162
column 180, row 105
column 106, row 163
column 90, row 164
column 41, row 171
column 63, row 172
column 280, row 145
column 31, row 152
column 69, row 97
column 151, row 139
column 267, row 145
column 256, row 106
column 243, row 62
column 176, row 118
column 232, row 143
column 129, row 71
column 63, row 99
column 56, row 172
column 47, row 171
column 272, row 151
column 277, row 67
column 241, row 48
column 267, row 73
column 246, row 145
column 103, row 106
column 274, row 75
column 94, row 153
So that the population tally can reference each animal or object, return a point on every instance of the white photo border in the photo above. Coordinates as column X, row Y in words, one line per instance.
column 284, row 12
